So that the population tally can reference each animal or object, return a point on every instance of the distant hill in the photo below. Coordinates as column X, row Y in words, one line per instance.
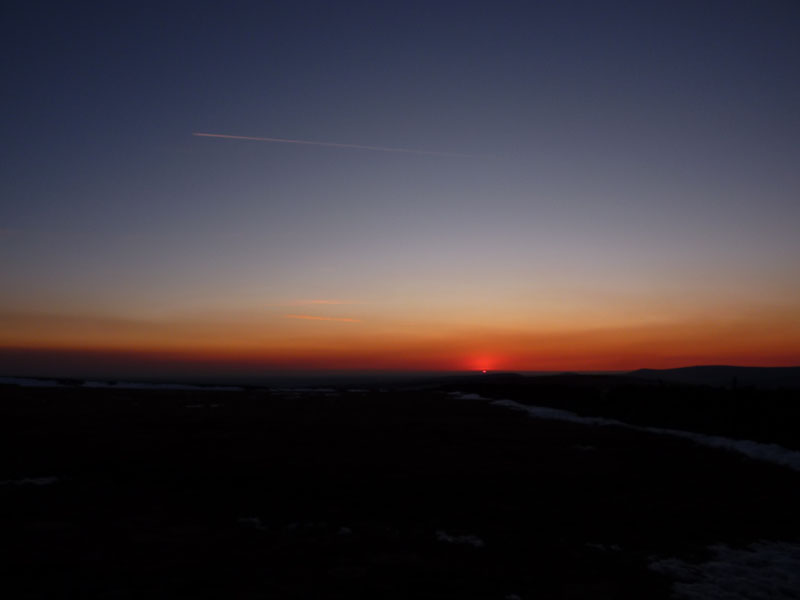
column 726, row 376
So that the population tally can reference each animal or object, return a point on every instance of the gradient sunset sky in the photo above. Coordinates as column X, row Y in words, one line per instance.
column 584, row 185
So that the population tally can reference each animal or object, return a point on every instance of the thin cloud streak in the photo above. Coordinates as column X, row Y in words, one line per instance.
column 332, row 144
column 322, row 302
column 316, row 318
column 315, row 303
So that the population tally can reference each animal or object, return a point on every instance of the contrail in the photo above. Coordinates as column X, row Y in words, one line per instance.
column 332, row 144
column 316, row 318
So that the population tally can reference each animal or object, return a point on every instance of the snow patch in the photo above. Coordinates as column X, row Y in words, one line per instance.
column 464, row 396
column 557, row 414
column 132, row 385
column 585, row 448
column 117, row 385
column 763, row 570
column 29, row 382
column 773, row 453
column 31, row 481
column 252, row 523
column 306, row 390
column 604, row 547
column 471, row 540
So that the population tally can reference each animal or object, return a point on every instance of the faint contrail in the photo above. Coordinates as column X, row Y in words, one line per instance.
column 331, row 144
column 316, row 318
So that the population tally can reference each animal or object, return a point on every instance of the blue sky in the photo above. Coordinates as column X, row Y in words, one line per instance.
column 629, row 163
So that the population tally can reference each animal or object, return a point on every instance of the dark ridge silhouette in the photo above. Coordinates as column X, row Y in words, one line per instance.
column 726, row 376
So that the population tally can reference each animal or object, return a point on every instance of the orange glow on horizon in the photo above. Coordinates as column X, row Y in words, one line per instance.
column 407, row 358
column 484, row 363
column 321, row 342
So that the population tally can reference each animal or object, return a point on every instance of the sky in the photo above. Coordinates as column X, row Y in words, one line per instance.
column 498, row 185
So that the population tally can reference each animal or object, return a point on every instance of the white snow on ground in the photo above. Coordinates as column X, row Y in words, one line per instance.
column 28, row 382
column 306, row 390
column 117, row 385
column 463, row 396
column 545, row 412
column 764, row 570
column 251, row 522
column 471, row 540
column 130, row 385
column 31, row 481
column 604, row 547
column 759, row 451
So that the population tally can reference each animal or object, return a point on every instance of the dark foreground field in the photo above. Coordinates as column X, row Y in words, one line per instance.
column 394, row 494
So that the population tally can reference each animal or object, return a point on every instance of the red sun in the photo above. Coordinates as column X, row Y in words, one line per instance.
column 483, row 363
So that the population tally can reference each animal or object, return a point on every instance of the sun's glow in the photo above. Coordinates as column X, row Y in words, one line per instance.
column 483, row 363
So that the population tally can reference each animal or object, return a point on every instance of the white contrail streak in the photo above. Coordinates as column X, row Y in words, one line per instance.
column 331, row 144
column 317, row 318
